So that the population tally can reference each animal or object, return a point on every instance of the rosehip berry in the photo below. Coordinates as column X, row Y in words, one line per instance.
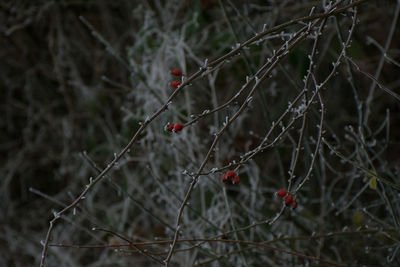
column 176, row 72
column 170, row 127
column 231, row 174
column 289, row 199
column 230, row 178
column 175, row 84
column 236, row 180
column 225, row 178
column 178, row 127
column 282, row 193
column 294, row 204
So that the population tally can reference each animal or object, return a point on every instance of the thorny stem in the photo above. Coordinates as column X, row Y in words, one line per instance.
column 303, row 126
column 387, row 90
column 314, row 156
column 251, row 244
column 338, row 61
column 140, row 250
column 386, row 231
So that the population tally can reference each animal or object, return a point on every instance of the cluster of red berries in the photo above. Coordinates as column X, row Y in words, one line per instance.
column 230, row 178
column 178, row 73
column 289, row 200
column 179, row 126
column 175, row 127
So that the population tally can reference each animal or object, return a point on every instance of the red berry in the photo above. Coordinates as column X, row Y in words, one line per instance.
column 225, row 178
column 282, row 193
column 294, row 204
column 236, row 180
column 176, row 72
column 170, row 127
column 175, row 84
column 230, row 178
column 178, row 127
column 231, row 174
column 289, row 199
